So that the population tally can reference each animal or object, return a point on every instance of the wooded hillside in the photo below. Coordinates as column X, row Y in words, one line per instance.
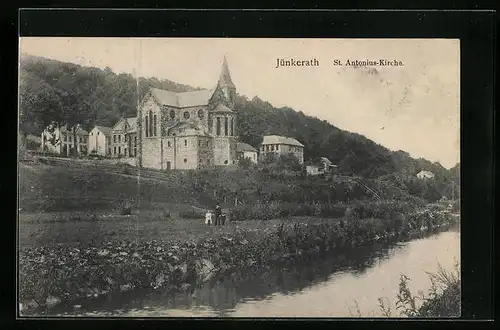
column 68, row 93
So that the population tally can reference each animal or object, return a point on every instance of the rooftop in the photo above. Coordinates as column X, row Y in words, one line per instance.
column 104, row 129
column 277, row 139
column 222, row 108
column 79, row 130
column 240, row 146
column 183, row 99
column 225, row 77
column 193, row 98
column 325, row 160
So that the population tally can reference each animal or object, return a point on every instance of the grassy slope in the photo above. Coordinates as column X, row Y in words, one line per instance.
column 76, row 205
column 44, row 188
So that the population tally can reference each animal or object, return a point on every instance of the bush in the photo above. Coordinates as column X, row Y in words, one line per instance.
column 191, row 214
column 126, row 208
column 277, row 209
column 382, row 209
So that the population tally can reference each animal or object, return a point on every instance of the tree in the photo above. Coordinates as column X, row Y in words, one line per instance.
column 65, row 93
column 39, row 104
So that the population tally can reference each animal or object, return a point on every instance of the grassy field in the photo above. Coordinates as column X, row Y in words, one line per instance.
column 72, row 206
column 79, row 228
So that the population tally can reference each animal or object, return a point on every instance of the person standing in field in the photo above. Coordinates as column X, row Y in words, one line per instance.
column 218, row 214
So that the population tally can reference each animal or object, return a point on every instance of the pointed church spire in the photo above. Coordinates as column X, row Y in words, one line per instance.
column 225, row 76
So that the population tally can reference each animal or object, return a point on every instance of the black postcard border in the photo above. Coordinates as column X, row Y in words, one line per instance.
column 475, row 29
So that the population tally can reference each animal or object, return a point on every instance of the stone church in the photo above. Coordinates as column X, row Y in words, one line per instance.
column 189, row 130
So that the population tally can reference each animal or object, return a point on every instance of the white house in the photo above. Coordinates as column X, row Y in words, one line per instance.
column 61, row 140
column 321, row 166
column 314, row 169
column 282, row 145
column 244, row 150
column 425, row 175
column 100, row 141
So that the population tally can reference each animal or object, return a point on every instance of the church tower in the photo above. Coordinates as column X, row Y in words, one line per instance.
column 222, row 119
column 226, row 85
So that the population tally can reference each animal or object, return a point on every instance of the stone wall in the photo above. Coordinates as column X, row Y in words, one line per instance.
column 205, row 151
column 224, row 150
column 194, row 116
column 186, row 148
column 151, row 146
column 151, row 153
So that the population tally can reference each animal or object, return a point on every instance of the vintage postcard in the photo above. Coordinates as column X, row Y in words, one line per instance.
column 206, row 177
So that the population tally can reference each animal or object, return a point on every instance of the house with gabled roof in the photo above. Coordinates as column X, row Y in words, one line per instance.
column 244, row 150
column 124, row 138
column 321, row 165
column 100, row 141
column 189, row 130
column 64, row 141
column 282, row 145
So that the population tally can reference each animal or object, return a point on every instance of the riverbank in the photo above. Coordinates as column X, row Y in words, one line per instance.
column 444, row 298
column 66, row 276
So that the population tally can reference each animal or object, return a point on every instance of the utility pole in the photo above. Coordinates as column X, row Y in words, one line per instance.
column 139, row 134
column 139, row 110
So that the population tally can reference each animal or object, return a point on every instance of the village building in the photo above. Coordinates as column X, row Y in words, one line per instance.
column 189, row 130
column 100, row 141
column 282, row 145
column 61, row 140
column 124, row 138
column 320, row 166
column 244, row 150
column 425, row 175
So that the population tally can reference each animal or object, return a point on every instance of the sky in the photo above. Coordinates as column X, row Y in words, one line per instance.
column 414, row 107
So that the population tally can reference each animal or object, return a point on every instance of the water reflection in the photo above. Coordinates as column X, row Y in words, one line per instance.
column 322, row 286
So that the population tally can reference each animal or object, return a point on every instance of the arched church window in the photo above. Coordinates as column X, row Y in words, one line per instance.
column 150, row 123
column 154, row 125
column 186, row 115
column 172, row 114
column 185, row 160
column 200, row 113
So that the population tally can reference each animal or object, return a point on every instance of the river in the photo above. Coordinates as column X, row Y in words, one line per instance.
column 345, row 284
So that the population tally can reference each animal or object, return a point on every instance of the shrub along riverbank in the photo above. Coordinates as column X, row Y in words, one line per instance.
column 442, row 301
column 64, row 275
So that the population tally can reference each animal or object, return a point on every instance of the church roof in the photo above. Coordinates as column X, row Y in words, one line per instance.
column 193, row 98
column 225, row 76
column 222, row 108
column 183, row 99
column 277, row 139
column 240, row 146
